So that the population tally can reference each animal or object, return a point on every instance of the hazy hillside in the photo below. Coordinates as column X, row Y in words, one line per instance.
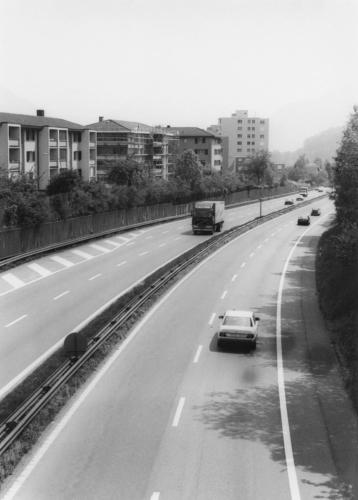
column 322, row 145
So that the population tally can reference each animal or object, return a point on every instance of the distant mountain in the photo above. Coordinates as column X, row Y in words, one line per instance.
column 323, row 145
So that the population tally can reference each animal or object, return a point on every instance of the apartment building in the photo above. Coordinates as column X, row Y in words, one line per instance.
column 151, row 147
column 242, row 137
column 206, row 145
column 42, row 147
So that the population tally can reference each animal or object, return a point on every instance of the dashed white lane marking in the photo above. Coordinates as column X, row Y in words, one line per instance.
column 211, row 320
column 82, row 254
column 272, row 234
column 234, row 277
column 130, row 243
column 62, row 261
column 148, row 237
column 178, row 238
column 143, row 253
column 113, row 243
column 162, row 245
column 125, row 240
column 178, row 412
column 13, row 280
column 197, row 355
column 224, row 294
column 39, row 269
column 61, row 295
column 165, row 232
column 251, row 255
column 155, row 495
column 122, row 263
column 100, row 248
column 259, row 247
column 16, row 320
column 243, row 264
column 95, row 277
column 266, row 240
column 133, row 234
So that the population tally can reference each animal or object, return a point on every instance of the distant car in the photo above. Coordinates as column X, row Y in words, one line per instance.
column 315, row 211
column 331, row 195
column 304, row 220
column 289, row 202
column 304, row 194
column 299, row 198
column 239, row 327
column 320, row 190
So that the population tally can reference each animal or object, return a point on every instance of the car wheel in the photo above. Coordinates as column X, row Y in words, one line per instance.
column 254, row 345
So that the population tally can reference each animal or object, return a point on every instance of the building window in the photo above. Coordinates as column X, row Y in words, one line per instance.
column 239, row 136
column 203, row 140
column 30, row 155
column 30, row 134
column 63, row 154
column 239, row 143
column 248, row 143
column 196, row 140
column 63, row 136
column 206, row 151
column 262, row 122
column 239, row 121
column 249, row 136
column 77, row 155
column 262, row 136
column 239, row 128
column 239, row 150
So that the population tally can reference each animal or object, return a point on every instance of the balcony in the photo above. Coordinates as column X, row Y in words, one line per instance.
column 14, row 166
column 14, row 143
column 53, row 164
column 53, row 143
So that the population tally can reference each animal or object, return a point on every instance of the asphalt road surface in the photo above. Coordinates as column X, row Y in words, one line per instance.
column 170, row 416
column 45, row 300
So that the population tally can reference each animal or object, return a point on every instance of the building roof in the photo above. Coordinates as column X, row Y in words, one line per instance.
column 190, row 131
column 111, row 125
column 38, row 121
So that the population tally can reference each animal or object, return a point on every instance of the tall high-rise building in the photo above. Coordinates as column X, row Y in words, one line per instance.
column 245, row 135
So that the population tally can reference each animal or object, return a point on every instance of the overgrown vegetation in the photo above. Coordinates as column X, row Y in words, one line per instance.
column 127, row 185
column 337, row 259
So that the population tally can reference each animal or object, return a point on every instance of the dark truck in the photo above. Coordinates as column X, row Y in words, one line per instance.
column 207, row 216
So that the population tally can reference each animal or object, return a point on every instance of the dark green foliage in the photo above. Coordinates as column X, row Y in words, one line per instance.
column 129, row 173
column 337, row 272
column 21, row 202
column 346, row 175
column 189, row 169
column 256, row 168
column 64, row 182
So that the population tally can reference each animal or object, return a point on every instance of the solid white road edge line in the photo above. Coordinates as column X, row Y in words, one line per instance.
column 53, row 432
column 95, row 277
column 224, row 294
column 290, row 462
column 155, row 495
column 178, row 412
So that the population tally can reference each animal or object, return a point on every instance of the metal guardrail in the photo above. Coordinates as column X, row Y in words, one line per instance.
column 8, row 261
column 15, row 424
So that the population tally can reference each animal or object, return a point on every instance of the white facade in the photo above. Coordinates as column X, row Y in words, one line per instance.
column 245, row 136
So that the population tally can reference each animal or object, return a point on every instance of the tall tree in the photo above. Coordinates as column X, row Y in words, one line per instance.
column 346, row 174
column 256, row 166
column 189, row 169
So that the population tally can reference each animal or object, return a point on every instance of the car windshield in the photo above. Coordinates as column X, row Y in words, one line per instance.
column 237, row 321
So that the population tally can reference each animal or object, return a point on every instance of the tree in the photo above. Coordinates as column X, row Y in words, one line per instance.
column 64, row 182
column 299, row 172
column 129, row 173
column 189, row 169
column 256, row 166
column 346, row 175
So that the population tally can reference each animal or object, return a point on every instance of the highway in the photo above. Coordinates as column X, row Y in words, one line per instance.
column 170, row 417
column 45, row 300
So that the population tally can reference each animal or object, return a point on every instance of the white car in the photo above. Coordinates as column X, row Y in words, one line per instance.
column 238, row 326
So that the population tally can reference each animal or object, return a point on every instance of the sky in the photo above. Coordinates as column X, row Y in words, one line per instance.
column 183, row 62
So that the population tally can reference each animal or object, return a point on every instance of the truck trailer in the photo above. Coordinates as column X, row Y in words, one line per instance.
column 207, row 216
